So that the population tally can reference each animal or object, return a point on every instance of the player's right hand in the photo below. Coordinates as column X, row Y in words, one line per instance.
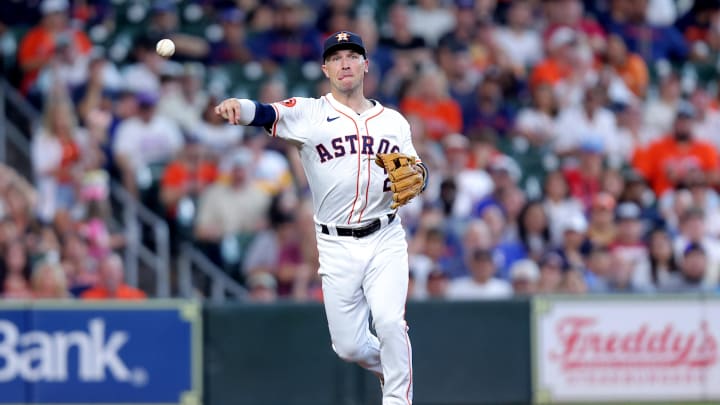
column 229, row 109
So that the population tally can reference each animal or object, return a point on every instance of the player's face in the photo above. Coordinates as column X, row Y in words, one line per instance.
column 345, row 69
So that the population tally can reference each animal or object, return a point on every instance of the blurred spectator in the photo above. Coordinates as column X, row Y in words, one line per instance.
column 185, row 100
column 524, row 277
column 57, row 155
column 111, row 285
column 629, row 242
column 455, row 60
column 186, row 177
column 590, row 121
column 472, row 185
column 81, row 269
column 429, row 98
column 662, row 260
column 52, row 38
column 661, row 111
column 277, row 251
column 437, row 285
column 652, row 42
column 407, row 49
column 551, row 273
column 480, row 284
column 290, row 41
column 15, row 271
column 693, row 231
column 601, row 229
column 490, row 109
column 575, row 229
column 597, row 270
column 144, row 74
column 534, row 229
column 707, row 120
column 585, row 176
column 233, row 207
column 559, row 204
column 331, row 11
column 429, row 20
column 232, row 47
column 145, row 139
column 214, row 133
column 692, row 275
column 537, row 122
column 520, row 42
column 571, row 14
column 48, row 281
column 666, row 162
column 164, row 22
column 573, row 282
column 630, row 67
column 262, row 287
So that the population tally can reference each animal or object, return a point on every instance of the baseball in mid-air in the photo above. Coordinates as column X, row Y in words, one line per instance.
column 165, row 48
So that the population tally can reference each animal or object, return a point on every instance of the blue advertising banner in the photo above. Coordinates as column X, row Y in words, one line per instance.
column 100, row 353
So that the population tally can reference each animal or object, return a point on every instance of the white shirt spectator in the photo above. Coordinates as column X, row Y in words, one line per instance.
column 219, row 138
column 534, row 121
column 711, row 246
column 187, row 113
column 659, row 116
column 574, row 125
column 143, row 143
column 522, row 48
column 465, row 288
column 707, row 129
column 472, row 186
column 430, row 23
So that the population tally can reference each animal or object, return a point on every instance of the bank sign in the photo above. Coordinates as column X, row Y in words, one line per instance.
column 82, row 353
column 627, row 350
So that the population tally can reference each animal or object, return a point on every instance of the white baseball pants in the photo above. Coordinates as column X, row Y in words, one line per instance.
column 370, row 275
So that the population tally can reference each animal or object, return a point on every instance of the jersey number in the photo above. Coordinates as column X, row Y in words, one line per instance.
column 386, row 185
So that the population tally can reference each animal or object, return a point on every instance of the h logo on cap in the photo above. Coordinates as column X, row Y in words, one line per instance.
column 343, row 36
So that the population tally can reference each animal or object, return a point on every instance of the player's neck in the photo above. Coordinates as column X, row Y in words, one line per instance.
column 354, row 100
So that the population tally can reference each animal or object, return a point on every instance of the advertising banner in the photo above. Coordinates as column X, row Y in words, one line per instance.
column 100, row 353
column 626, row 350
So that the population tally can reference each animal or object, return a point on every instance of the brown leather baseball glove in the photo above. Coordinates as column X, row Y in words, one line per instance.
column 406, row 177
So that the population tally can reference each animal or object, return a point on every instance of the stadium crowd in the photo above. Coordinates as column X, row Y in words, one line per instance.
column 572, row 145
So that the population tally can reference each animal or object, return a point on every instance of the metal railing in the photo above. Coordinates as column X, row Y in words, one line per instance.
column 135, row 218
column 222, row 286
column 135, row 215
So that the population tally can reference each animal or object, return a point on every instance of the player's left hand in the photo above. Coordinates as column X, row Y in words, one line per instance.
column 229, row 109
column 406, row 177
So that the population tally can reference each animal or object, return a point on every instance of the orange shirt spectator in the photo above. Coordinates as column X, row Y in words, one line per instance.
column 630, row 67
column 40, row 44
column 112, row 284
column 665, row 162
column 123, row 292
column 177, row 174
column 441, row 117
column 548, row 71
column 187, row 176
column 429, row 98
column 635, row 74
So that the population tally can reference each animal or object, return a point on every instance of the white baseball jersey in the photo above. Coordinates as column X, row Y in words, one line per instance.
column 335, row 142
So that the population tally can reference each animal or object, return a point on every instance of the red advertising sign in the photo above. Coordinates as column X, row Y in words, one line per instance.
column 596, row 350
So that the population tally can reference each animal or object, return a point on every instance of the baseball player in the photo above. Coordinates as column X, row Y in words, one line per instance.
column 361, row 166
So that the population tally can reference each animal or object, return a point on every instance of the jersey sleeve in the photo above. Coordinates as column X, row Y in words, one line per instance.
column 293, row 118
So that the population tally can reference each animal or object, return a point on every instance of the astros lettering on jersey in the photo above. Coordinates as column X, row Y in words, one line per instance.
column 334, row 140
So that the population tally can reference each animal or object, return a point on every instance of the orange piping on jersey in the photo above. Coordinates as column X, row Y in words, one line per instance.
column 357, row 180
column 369, row 166
column 277, row 118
